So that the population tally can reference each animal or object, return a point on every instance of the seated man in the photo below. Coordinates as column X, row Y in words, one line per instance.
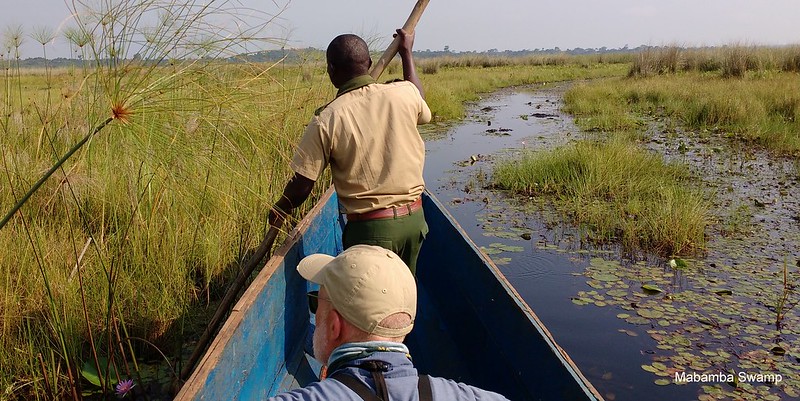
column 365, row 306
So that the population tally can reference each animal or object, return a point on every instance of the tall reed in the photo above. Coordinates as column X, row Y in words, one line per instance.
column 136, row 233
column 731, row 61
column 152, row 151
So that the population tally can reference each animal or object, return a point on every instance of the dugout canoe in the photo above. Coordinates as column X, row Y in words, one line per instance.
column 472, row 326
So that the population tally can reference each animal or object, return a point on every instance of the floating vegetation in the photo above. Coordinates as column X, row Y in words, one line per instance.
column 501, row 261
column 497, row 248
column 733, row 311
column 499, row 131
column 650, row 288
column 701, row 328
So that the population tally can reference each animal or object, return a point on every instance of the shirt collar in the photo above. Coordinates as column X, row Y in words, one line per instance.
column 355, row 83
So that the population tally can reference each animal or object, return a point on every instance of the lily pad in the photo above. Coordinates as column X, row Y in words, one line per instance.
column 649, row 368
column 501, row 261
column 581, row 301
column 607, row 277
column 650, row 288
column 649, row 313
column 637, row 320
column 490, row 251
column 89, row 372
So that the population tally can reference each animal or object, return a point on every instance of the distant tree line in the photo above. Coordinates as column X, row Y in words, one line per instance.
column 297, row 56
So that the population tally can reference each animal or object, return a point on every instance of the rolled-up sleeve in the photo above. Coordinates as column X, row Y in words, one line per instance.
column 425, row 113
column 313, row 152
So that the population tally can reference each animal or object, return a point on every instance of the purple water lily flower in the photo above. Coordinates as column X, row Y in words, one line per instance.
column 124, row 387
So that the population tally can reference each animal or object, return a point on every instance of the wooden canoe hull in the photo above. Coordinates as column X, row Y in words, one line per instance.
column 488, row 337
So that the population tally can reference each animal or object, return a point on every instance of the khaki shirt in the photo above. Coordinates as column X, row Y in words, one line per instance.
column 370, row 139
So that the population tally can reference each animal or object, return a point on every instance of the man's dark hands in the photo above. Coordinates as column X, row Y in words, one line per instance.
column 405, row 44
column 295, row 193
column 276, row 217
column 406, row 41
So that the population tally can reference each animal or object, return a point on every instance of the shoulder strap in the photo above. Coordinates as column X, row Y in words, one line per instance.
column 356, row 385
column 366, row 394
column 424, row 388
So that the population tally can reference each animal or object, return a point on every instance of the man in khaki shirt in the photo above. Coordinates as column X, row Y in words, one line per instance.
column 368, row 135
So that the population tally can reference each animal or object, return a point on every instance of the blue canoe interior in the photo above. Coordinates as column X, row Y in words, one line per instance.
column 471, row 324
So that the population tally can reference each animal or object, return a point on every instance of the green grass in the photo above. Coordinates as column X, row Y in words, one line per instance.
column 140, row 231
column 616, row 191
column 455, row 81
column 763, row 109
column 169, row 204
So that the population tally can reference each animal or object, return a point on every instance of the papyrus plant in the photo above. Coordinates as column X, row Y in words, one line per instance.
column 141, row 61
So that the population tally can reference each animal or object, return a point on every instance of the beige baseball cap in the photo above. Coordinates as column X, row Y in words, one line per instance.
column 365, row 284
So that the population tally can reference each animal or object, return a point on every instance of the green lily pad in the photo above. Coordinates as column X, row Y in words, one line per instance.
column 89, row 372
column 501, row 261
column 652, row 288
column 490, row 251
column 649, row 313
column 500, row 247
column 581, row 301
column 649, row 368
column 637, row 320
column 607, row 277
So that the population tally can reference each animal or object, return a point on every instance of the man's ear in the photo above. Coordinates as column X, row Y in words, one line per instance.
column 336, row 324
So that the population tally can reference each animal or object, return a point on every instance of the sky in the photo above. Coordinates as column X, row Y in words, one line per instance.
column 466, row 25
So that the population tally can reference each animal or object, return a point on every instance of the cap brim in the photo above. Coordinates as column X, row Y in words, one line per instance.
column 311, row 267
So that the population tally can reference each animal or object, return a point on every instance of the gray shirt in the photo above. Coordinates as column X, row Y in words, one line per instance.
column 401, row 380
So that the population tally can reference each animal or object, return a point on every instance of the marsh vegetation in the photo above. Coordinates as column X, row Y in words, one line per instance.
column 137, row 182
column 622, row 192
column 729, row 140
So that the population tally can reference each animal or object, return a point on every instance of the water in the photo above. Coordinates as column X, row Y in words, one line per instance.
column 548, row 272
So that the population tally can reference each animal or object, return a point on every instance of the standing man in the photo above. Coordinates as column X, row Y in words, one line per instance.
column 366, row 304
column 368, row 135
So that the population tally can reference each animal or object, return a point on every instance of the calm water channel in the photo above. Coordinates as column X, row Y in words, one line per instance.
column 544, row 265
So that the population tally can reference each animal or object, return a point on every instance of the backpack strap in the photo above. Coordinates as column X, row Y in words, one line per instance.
column 362, row 390
column 356, row 385
column 424, row 388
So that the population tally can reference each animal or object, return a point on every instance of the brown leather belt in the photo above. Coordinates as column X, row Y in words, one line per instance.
column 388, row 213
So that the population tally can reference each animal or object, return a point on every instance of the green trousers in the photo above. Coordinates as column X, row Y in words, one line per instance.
column 403, row 235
